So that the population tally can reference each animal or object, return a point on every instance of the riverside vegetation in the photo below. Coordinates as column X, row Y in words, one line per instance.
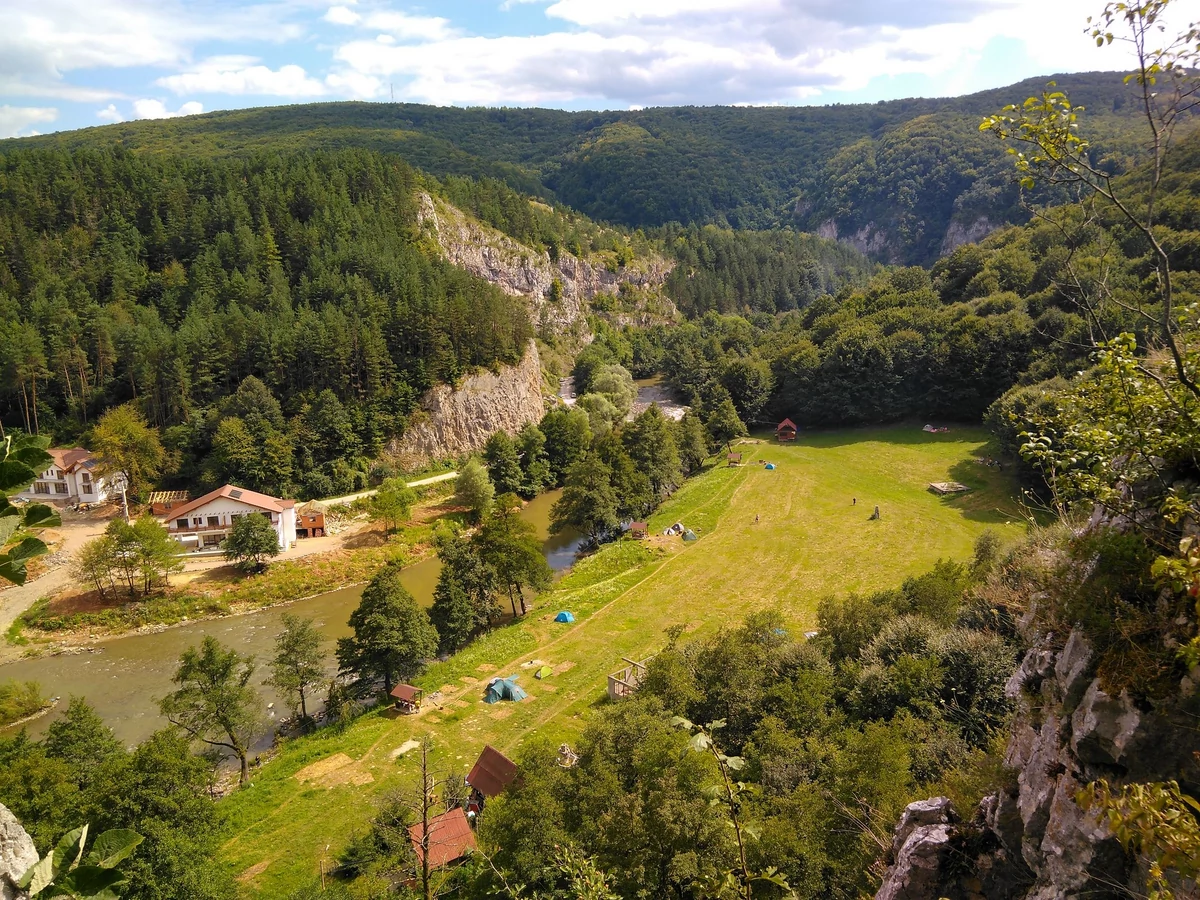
column 1073, row 336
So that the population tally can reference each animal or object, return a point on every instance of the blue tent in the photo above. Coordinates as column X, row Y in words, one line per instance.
column 503, row 689
column 770, row 465
column 564, row 616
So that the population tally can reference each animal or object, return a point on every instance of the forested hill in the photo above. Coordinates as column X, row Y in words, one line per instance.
column 894, row 178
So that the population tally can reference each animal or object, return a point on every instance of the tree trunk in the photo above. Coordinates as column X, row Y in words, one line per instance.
column 303, row 706
column 245, row 764
column 512, row 601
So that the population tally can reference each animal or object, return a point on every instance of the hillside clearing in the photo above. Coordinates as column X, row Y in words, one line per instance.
column 810, row 540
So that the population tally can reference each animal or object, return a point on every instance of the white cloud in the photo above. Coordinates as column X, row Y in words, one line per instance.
column 341, row 15
column 13, row 119
column 110, row 113
column 407, row 27
column 656, row 52
column 354, row 85
column 156, row 109
column 242, row 75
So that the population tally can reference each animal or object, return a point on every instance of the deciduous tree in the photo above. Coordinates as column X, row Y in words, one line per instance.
column 252, row 542
column 474, row 489
column 392, row 635
column 298, row 663
column 214, row 702
column 124, row 440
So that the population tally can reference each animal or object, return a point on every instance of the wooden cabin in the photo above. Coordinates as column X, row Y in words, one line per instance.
column 310, row 521
column 449, row 841
column 735, row 460
column 639, row 530
column 490, row 775
column 785, row 430
column 408, row 698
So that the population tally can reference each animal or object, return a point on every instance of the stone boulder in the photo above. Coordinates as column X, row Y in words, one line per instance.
column 17, row 854
column 921, row 845
column 1103, row 726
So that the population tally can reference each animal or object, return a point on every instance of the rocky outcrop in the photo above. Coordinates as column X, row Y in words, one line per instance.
column 17, row 854
column 459, row 420
column 1031, row 840
column 520, row 271
column 870, row 239
column 960, row 233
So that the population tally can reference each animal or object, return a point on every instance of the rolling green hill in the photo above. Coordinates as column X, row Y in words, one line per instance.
column 893, row 177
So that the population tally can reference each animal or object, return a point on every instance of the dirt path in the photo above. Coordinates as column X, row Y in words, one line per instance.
column 64, row 542
column 350, row 498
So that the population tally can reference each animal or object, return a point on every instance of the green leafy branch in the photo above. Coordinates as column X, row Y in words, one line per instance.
column 65, row 872
column 24, row 456
column 730, row 793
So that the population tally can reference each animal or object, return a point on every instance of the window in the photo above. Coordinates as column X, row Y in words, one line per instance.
column 181, row 524
column 60, row 488
column 87, row 487
column 197, row 521
column 212, row 540
column 214, row 521
column 41, row 487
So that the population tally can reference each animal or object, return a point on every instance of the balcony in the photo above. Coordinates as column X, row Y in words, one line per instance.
column 174, row 528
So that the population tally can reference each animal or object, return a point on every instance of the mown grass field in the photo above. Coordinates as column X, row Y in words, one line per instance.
column 810, row 540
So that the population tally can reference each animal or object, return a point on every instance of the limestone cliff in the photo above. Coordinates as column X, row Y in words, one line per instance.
column 456, row 420
column 520, row 271
column 960, row 233
column 1030, row 840
column 17, row 854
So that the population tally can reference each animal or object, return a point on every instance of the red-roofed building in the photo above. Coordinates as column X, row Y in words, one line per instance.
column 205, row 522
column 450, row 839
column 490, row 775
column 71, row 478
column 785, row 430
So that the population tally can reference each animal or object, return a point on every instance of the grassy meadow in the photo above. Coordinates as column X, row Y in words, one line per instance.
column 810, row 540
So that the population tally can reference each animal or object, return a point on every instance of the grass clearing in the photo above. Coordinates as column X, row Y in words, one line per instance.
column 810, row 540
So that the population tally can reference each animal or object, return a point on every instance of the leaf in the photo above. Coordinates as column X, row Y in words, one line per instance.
column 92, row 881
column 39, row 515
column 700, row 741
column 735, row 763
column 681, row 722
column 15, row 475
column 69, row 850
column 37, row 876
column 113, row 846
column 12, row 563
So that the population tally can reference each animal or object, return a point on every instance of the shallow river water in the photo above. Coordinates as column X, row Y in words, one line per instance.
column 126, row 677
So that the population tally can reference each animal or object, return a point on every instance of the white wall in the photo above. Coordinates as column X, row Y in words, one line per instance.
column 224, row 507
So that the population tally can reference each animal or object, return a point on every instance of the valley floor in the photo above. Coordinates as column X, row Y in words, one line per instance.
column 784, row 537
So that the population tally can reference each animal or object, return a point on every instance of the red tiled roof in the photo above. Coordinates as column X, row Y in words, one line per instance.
column 785, row 424
column 68, row 459
column 405, row 692
column 492, row 773
column 450, row 838
column 240, row 495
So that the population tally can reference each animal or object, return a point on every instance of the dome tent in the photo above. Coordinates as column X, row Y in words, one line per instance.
column 564, row 616
column 503, row 689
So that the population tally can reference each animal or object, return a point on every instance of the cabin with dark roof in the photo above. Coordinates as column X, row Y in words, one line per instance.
column 735, row 460
column 785, row 430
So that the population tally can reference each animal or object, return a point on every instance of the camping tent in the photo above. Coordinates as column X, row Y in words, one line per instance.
column 564, row 616
column 543, row 672
column 770, row 465
column 503, row 689
column 690, row 535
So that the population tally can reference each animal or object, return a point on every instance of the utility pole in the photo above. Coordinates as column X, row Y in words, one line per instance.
column 426, row 790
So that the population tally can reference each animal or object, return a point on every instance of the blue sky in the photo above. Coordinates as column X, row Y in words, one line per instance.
column 77, row 63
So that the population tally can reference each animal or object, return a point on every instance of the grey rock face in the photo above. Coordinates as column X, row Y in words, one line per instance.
column 1071, row 670
column 1103, row 726
column 460, row 421
column 922, row 843
column 17, row 854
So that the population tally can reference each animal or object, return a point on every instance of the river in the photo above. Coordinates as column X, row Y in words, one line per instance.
column 125, row 678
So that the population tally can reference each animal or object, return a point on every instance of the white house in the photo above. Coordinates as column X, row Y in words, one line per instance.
column 205, row 522
column 71, row 479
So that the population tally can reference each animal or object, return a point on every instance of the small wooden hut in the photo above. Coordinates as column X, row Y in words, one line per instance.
column 310, row 521
column 785, row 430
column 450, row 839
column 639, row 530
column 490, row 775
column 735, row 460
column 408, row 698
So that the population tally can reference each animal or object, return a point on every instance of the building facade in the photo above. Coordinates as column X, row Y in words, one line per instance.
column 72, row 479
column 204, row 523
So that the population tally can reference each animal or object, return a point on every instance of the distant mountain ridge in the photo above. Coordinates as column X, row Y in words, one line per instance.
column 904, row 180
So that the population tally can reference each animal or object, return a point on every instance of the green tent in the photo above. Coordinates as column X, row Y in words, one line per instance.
column 543, row 672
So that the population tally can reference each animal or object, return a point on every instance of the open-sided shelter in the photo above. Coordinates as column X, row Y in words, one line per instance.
column 407, row 697
column 450, row 838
